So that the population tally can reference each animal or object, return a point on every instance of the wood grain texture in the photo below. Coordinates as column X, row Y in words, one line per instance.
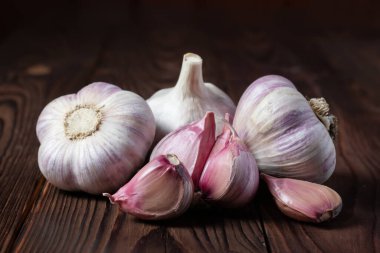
column 24, row 90
column 140, row 49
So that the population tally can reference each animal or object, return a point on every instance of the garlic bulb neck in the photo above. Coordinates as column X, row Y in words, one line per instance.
column 190, row 79
column 188, row 100
column 82, row 122
column 321, row 108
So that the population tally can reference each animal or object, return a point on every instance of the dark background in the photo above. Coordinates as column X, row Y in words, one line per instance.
column 81, row 15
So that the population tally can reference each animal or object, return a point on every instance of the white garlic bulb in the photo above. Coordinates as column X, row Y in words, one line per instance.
column 189, row 100
column 94, row 140
column 283, row 132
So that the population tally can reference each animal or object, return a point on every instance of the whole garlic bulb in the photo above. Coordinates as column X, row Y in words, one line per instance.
column 283, row 132
column 189, row 100
column 94, row 140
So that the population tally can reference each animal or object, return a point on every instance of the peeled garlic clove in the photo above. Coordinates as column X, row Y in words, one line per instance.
column 230, row 176
column 191, row 144
column 94, row 140
column 189, row 100
column 304, row 201
column 282, row 131
column 161, row 189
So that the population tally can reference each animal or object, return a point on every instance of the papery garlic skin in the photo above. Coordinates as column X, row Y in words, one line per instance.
column 162, row 189
column 304, row 201
column 94, row 140
column 191, row 143
column 189, row 100
column 230, row 176
column 283, row 133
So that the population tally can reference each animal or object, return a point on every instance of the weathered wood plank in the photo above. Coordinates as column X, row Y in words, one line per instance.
column 31, row 74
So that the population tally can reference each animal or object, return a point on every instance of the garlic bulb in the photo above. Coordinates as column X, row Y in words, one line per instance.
column 230, row 176
column 161, row 189
column 94, row 140
column 191, row 143
column 283, row 132
column 189, row 100
column 304, row 201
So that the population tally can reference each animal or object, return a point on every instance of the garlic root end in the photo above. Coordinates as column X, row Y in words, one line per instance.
column 321, row 109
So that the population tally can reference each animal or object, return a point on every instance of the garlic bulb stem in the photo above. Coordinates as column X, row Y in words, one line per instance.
column 190, row 78
column 321, row 108
column 188, row 100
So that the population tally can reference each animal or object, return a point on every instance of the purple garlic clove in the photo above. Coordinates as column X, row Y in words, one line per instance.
column 304, row 201
column 230, row 176
column 191, row 144
column 162, row 189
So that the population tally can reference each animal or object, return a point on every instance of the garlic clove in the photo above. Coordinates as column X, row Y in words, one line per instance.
column 282, row 131
column 94, row 140
column 161, row 189
column 191, row 144
column 230, row 176
column 188, row 100
column 304, row 201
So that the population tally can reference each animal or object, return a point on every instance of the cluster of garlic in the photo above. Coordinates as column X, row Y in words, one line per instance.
column 94, row 141
column 223, row 169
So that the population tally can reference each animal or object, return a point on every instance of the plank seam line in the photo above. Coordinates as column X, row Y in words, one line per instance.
column 266, row 238
column 25, row 213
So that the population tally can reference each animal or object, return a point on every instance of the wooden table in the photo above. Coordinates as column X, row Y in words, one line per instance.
column 142, row 52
